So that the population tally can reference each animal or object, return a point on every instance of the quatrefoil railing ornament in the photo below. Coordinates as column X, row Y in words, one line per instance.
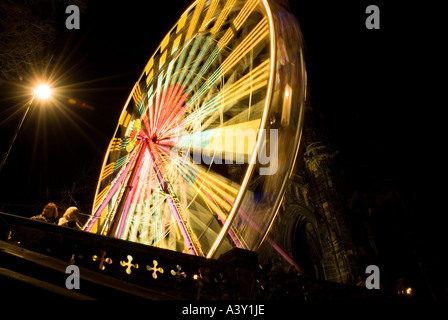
column 128, row 264
column 178, row 273
column 102, row 259
column 154, row 269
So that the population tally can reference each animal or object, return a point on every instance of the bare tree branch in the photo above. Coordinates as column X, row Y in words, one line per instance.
column 27, row 28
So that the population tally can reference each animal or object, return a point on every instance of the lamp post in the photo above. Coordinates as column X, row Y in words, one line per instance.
column 42, row 92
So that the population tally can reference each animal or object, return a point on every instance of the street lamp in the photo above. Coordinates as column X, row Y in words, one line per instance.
column 42, row 92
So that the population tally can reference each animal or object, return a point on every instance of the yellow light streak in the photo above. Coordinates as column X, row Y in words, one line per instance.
column 149, row 77
column 195, row 18
column 162, row 59
column 210, row 203
column 149, row 65
column 249, row 42
column 216, row 197
column 123, row 118
column 107, row 170
column 212, row 184
column 256, row 35
column 115, row 144
column 222, row 16
column 245, row 182
column 223, row 144
column 176, row 44
column 100, row 196
column 136, row 93
column 244, row 13
column 230, row 101
column 165, row 42
column 220, row 193
column 225, row 39
column 182, row 21
column 210, row 11
column 286, row 109
column 200, row 186
column 224, row 184
column 249, row 83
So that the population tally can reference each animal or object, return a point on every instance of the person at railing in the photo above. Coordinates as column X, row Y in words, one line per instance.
column 49, row 214
column 70, row 219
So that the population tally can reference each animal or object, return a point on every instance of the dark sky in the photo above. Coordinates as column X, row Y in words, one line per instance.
column 365, row 82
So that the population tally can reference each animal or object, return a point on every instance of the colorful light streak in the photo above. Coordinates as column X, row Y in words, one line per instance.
column 210, row 81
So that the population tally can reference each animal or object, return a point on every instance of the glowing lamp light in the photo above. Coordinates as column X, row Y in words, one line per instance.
column 42, row 91
column 408, row 291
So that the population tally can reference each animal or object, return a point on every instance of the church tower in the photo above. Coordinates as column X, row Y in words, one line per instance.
column 312, row 225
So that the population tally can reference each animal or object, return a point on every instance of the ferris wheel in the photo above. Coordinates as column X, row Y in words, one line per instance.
column 209, row 134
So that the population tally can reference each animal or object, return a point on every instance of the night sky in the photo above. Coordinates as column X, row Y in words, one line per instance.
column 368, row 84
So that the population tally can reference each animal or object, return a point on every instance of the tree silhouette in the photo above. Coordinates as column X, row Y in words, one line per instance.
column 27, row 29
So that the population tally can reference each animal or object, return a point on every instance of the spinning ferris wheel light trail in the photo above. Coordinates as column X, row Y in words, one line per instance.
column 183, row 170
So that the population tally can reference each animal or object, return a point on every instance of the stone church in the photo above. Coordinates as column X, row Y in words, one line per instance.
column 331, row 229
column 311, row 225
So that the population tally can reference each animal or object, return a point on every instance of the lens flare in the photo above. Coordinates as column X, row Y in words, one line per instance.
column 42, row 91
